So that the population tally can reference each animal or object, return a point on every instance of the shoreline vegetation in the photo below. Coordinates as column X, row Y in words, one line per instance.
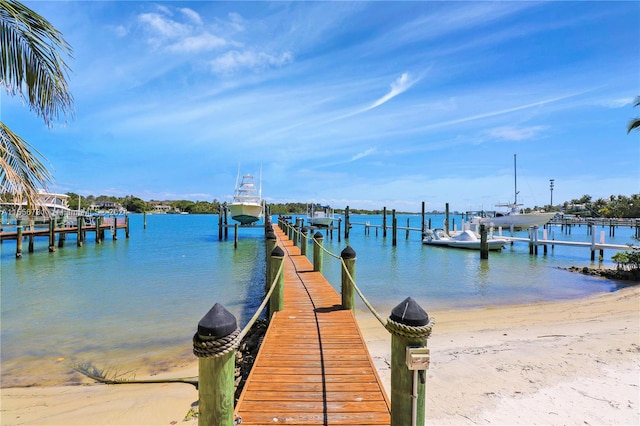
column 615, row 206
column 565, row 362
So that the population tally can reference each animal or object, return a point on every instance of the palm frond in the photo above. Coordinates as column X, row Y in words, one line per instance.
column 31, row 61
column 21, row 170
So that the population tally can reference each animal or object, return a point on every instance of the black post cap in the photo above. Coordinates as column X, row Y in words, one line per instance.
column 218, row 322
column 409, row 313
column 348, row 253
column 318, row 236
column 277, row 252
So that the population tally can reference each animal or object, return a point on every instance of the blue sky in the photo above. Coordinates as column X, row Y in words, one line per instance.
column 347, row 103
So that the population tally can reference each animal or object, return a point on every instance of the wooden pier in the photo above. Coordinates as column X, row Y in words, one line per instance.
column 98, row 225
column 313, row 367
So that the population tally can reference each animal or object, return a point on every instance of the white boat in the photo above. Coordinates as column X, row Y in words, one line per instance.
column 466, row 239
column 319, row 215
column 246, row 206
column 514, row 218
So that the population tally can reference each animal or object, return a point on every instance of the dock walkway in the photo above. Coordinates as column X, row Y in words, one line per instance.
column 313, row 367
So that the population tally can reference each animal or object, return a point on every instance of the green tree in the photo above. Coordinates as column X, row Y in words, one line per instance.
column 31, row 67
column 134, row 204
column 635, row 122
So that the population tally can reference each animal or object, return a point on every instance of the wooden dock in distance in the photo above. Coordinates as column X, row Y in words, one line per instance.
column 313, row 367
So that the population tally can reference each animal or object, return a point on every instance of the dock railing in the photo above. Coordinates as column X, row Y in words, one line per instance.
column 216, row 343
column 409, row 325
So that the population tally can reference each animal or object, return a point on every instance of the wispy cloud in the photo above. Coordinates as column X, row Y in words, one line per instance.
column 401, row 85
column 363, row 154
column 235, row 60
column 184, row 33
column 511, row 133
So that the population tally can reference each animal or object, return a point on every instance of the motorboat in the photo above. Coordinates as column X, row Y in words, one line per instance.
column 466, row 239
column 319, row 215
column 514, row 217
column 246, row 206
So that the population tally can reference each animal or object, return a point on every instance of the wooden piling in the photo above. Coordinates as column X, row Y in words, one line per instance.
column 410, row 327
column 394, row 228
column 216, row 366
column 235, row 235
column 52, row 235
column 384, row 222
column 346, row 223
column 446, row 218
column 19, row 238
column 317, row 252
column 276, row 302
column 484, row 245
column 348, row 256
column 226, row 222
column 80, row 225
column 304, row 240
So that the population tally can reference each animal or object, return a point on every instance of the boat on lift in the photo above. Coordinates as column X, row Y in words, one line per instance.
column 319, row 215
column 247, row 206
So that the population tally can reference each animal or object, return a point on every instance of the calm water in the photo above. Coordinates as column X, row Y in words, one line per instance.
column 137, row 301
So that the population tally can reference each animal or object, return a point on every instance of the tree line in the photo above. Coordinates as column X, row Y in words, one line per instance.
column 615, row 206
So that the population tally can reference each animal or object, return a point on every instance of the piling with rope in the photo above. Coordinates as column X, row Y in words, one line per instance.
column 215, row 344
column 317, row 252
column 348, row 256
column 304, row 236
column 276, row 302
column 410, row 327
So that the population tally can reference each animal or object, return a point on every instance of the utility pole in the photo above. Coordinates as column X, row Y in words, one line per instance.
column 551, row 181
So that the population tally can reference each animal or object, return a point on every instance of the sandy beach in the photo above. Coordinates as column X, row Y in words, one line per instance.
column 570, row 362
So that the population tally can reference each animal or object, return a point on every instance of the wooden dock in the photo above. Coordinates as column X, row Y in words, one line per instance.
column 313, row 367
column 98, row 226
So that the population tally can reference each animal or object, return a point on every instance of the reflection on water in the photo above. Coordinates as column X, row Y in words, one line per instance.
column 136, row 302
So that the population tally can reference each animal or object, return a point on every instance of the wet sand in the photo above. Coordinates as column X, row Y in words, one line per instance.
column 569, row 362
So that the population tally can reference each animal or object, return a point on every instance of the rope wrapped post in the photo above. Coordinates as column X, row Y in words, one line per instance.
column 215, row 345
column 304, row 240
column 410, row 326
column 294, row 234
column 276, row 303
column 348, row 256
column 317, row 252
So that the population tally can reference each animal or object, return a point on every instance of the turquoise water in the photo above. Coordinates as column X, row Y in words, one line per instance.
column 137, row 301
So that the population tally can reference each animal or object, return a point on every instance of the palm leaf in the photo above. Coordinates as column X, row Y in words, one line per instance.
column 31, row 61
column 21, row 170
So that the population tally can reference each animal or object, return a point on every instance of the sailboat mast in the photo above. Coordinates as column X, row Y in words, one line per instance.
column 515, row 181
